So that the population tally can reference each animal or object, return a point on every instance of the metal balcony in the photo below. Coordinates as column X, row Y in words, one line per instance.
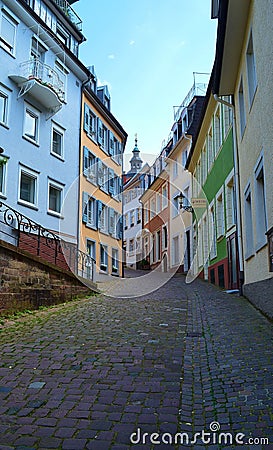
column 42, row 82
column 69, row 12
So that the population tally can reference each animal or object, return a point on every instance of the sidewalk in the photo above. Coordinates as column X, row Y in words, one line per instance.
column 102, row 372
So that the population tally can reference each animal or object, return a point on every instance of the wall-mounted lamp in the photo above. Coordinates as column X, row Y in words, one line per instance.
column 181, row 198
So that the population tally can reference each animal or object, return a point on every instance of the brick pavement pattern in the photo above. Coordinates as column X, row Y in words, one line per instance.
column 88, row 374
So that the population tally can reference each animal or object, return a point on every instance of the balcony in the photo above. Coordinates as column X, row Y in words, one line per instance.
column 69, row 12
column 41, row 82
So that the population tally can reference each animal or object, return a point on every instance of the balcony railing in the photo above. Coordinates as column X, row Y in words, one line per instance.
column 69, row 12
column 27, row 235
column 197, row 89
column 44, row 74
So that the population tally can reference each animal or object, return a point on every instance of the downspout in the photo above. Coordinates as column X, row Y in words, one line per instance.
column 237, row 192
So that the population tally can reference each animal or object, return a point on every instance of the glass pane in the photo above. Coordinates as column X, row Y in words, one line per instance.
column 30, row 125
column 27, row 188
column 57, row 143
column 1, row 178
column 3, row 107
column 54, row 199
column 8, row 32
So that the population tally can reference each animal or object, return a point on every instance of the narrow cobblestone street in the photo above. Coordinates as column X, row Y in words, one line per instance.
column 185, row 358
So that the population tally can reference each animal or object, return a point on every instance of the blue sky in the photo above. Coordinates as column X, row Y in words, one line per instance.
column 146, row 51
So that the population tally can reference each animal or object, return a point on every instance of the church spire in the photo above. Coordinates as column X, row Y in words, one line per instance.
column 136, row 161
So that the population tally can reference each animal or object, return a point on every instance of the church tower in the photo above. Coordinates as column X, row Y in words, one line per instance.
column 136, row 161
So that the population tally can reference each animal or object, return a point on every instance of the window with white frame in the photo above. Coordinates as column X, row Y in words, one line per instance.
column 55, row 195
column 260, row 205
column 28, row 187
column 164, row 196
column 132, row 217
column 138, row 215
column 175, row 250
column 242, row 111
column 158, row 245
column 210, row 149
column 249, row 239
column 31, row 124
column 230, row 203
column 220, row 215
column 164, row 237
column 131, row 245
column 57, row 140
column 91, row 212
column 175, row 168
column 158, row 202
column 3, row 165
column 251, row 70
column 217, row 130
column 186, row 201
column 115, row 260
column 152, row 212
column 227, row 115
column 212, row 234
column 4, row 98
column 146, row 212
column 89, row 165
column 204, row 167
column 175, row 208
column 8, row 28
column 103, row 257
column 184, row 157
column 91, row 248
column 103, row 219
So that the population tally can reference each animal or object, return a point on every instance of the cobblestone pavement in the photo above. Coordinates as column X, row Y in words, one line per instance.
column 186, row 358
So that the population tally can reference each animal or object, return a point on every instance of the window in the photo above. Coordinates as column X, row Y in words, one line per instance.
column 152, row 212
column 90, row 122
column 57, row 141
column 175, row 206
column 89, row 210
column 164, row 237
column 3, row 164
column 131, row 245
column 227, row 115
column 186, row 201
column 217, row 131
column 158, row 245
column 249, row 244
column 184, row 157
column 8, row 32
column 210, row 149
column 158, row 202
column 251, row 70
column 212, row 234
column 31, row 124
column 62, row 35
column 55, row 193
column 28, row 187
column 242, row 108
column 175, row 250
column 230, row 203
column 220, row 215
column 164, row 197
column 260, row 204
column 132, row 218
column 103, row 258
column 146, row 212
column 204, row 167
column 89, row 165
column 102, row 217
column 175, row 168
column 115, row 262
column 3, row 108
column 138, row 215
column 91, row 248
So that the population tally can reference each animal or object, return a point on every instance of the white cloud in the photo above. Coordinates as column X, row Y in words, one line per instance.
column 111, row 56
column 132, row 42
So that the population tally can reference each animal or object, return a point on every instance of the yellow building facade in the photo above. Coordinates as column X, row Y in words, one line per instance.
column 100, row 194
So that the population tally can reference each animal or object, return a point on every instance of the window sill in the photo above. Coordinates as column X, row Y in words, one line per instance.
column 31, row 141
column 55, row 214
column 249, row 256
column 6, row 51
column 28, row 205
column 260, row 246
column 3, row 196
column 4, row 125
column 57, row 156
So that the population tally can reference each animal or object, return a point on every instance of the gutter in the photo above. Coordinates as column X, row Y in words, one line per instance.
column 237, row 191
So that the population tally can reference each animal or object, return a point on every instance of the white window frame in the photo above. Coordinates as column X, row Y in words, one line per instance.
column 23, row 170
column 175, row 205
column 212, row 232
column 175, row 168
column 164, row 196
column 248, row 210
column 3, row 185
column 14, row 21
column 35, row 114
column 59, row 130
column 230, row 201
column 58, row 187
column 104, row 262
column 91, row 212
column 251, row 70
column 5, row 94
column 175, row 261
column 260, row 203
column 115, row 269
column 220, row 213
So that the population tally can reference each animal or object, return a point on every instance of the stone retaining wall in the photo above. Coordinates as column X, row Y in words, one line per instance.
column 27, row 282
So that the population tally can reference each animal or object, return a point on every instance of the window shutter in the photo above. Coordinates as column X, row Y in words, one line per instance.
column 100, row 172
column 111, row 181
column 111, row 221
column 119, row 189
column 100, row 131
column 85, row 161
column 85, row 199
column 99, row 211
column 120, row 228
column 86, row 122
column 111, row 143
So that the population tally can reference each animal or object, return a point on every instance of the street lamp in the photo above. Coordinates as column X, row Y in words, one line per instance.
column 180, row 197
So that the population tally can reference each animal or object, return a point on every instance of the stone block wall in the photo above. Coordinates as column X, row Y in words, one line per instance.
column 27, row 282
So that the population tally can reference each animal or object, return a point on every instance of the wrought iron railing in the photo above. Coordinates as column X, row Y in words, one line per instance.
column 24, row 233
column 44, row 74
column 69, row 12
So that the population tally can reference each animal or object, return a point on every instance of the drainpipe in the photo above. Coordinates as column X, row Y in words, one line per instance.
column 237, row 192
